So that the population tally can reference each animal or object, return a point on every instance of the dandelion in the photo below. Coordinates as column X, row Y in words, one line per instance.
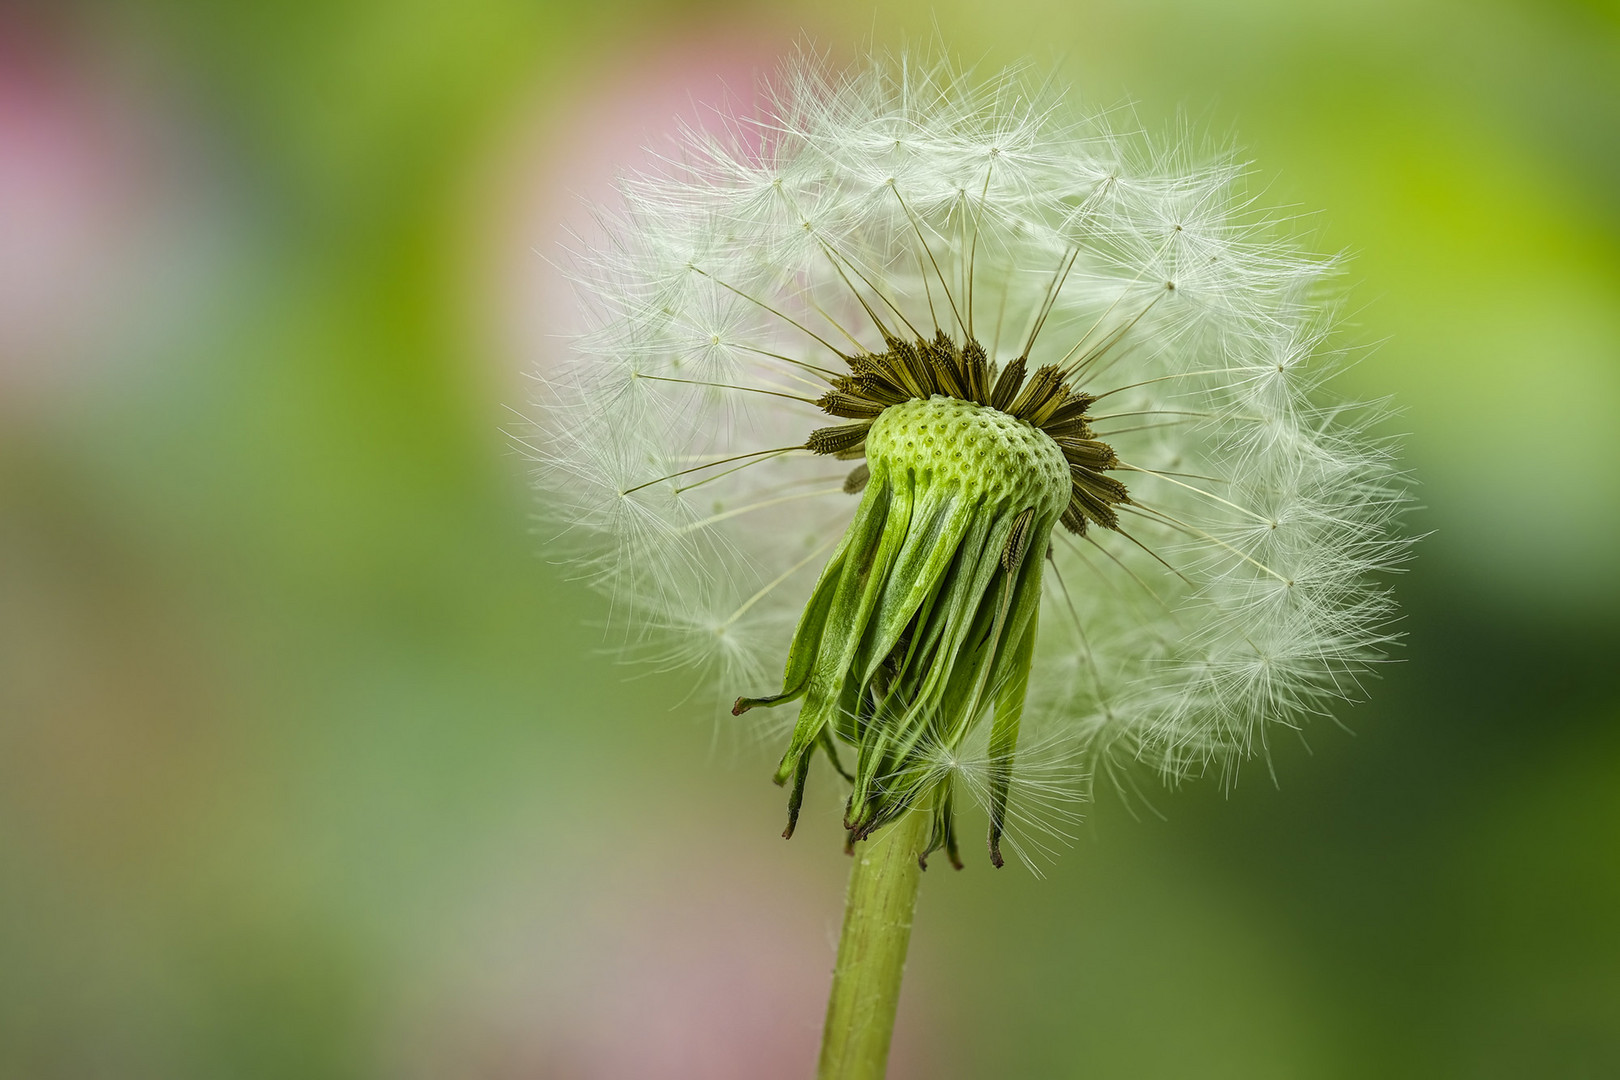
column 957, row 414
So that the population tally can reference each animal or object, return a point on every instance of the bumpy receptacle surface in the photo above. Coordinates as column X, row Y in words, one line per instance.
column 984, row 452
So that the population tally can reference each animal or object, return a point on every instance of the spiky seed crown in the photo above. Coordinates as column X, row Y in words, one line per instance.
column 908, row 370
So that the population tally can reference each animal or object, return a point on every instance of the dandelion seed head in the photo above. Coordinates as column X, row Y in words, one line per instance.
column 966, row 405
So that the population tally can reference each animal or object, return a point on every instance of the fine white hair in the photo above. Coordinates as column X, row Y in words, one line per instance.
column 1243, row 588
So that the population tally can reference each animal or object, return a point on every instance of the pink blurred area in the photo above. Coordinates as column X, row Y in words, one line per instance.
column 559, row 158
column 717, row 975
column 90, row 173
column 107, row 745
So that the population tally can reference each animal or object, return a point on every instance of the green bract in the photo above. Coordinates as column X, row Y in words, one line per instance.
column 924, row 617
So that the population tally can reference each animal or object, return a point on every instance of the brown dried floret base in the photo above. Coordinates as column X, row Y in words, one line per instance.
column 909, row 370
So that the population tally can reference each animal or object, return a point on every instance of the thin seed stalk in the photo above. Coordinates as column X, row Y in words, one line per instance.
column 872, row 950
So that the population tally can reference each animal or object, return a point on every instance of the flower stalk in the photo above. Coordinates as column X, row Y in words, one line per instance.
column 872, row 950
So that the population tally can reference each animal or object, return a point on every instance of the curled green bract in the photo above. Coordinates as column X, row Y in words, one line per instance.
column 923, row 621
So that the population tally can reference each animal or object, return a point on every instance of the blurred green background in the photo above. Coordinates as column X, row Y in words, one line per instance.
column 312, row 765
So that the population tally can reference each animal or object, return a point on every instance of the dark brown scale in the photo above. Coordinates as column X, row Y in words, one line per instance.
column 877, row 376
column 945, row 369
column 1043, row 415
column 832, row 440
column 906, row 367
column 1012, row 555
column 1095, row 509
column 1097, row 496
column 1071, row 411
column 1042, row 412
column 1038, row 394
column 848, row 405
column 1011, row 378
column 865, row 364
column 976, row 372
column 919, row 370
column 1088, row 454
column 872, row 366
column 1074, row 519
column 1072, row 430
column 909, row 370
column 905, row 352
column 1105, row 487
column 880, row 388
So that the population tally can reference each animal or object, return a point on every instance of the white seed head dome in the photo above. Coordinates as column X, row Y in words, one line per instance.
column 906, row 232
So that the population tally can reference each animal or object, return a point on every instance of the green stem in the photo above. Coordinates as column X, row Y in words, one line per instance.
column 872, row 950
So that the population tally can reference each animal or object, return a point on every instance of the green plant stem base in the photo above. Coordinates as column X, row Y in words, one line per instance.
column 872, row 950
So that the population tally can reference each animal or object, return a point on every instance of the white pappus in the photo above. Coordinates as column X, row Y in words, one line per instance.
column 1142, row 506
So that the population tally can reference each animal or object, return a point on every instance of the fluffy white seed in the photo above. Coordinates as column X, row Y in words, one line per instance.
column 1241, row 593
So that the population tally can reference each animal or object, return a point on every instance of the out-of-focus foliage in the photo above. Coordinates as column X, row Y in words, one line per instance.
column 309, row 766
